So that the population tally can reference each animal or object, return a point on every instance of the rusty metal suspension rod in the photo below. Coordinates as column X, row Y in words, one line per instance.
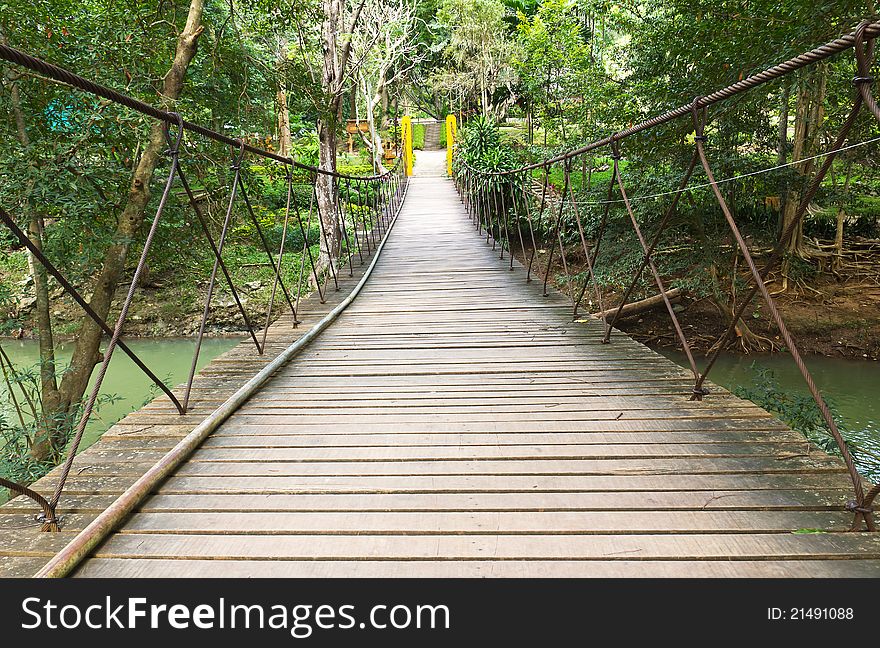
column 552, row 245
column 174, row 153
column 278, row 264
column 657, row 279
column 48, row 518
column 218, row 261
column 786, row 336
column 655, row 241
column 592, row 275
column 517, row 205
column 563, row 258
column 263, row 241
column 307, row 250
column 603, row 223
column 340, row 224
column 602, row 226
column 779, row 249
column 531, row 229
column 212, row 280
column 540, row 220
column 368, row 233
column 354, row 226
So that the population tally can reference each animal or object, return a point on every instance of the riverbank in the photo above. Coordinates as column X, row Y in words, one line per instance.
column 836, row 315
column 166, row 305
column 832, row 318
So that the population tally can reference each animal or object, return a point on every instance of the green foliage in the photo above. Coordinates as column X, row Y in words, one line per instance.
column 305, row 147
column 475, row 47
column 355, row 169
column 568, row 87
column 418, row 136
column 22, row 420
column 482, row 148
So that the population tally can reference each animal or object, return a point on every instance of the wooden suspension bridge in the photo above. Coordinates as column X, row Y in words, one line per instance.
column 453, row 421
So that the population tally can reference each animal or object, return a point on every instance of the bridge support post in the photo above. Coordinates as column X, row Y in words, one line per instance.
column 407, row 143
column 451, row 132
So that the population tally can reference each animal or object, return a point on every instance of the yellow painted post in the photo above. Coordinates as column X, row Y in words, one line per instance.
column 451, row 132
column 406, row 133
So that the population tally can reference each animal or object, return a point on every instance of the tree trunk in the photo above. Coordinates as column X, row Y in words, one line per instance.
column 636, row 307
column 86, row 352
column 331, row 82
column 782, row 147
column 374, row 144
column 335, row 60
column 284, row 140
column 384, row 105
column 809, row 113
column 47, row 436
column 324, row 192
column 841, row 218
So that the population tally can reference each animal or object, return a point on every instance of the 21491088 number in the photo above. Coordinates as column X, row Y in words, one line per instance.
column 811, row 614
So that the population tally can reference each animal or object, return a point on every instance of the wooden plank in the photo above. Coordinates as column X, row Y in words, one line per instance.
column 550, row 466
column 465, row 452
column 703, row 546
column 517, row 501
column 419, row 439
column 173, row 568
column 268, row 484
column 486, row 523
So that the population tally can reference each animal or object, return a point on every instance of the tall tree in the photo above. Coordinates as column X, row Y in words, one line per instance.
column 337, row 26
column 388, row 48
column 479, row 50
column 62, row 395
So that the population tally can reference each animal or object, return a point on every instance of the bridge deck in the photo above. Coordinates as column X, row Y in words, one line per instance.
column 455, row 423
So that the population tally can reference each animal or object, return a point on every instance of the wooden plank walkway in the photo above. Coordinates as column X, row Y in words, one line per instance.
column 453, row 422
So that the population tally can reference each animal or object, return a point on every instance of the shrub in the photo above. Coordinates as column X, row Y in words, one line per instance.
column 482, row 148
column 418, row 136
column 355, row 169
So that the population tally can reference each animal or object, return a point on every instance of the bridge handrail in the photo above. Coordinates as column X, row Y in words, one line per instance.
column 379, row 195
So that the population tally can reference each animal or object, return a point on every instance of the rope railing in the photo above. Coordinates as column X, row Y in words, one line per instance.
column 363, row 207
column 492, row 197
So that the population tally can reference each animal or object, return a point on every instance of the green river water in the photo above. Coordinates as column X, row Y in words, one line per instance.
column 852, row 386
column 168, row 358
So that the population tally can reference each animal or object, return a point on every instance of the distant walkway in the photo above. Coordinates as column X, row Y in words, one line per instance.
column 453, row 422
